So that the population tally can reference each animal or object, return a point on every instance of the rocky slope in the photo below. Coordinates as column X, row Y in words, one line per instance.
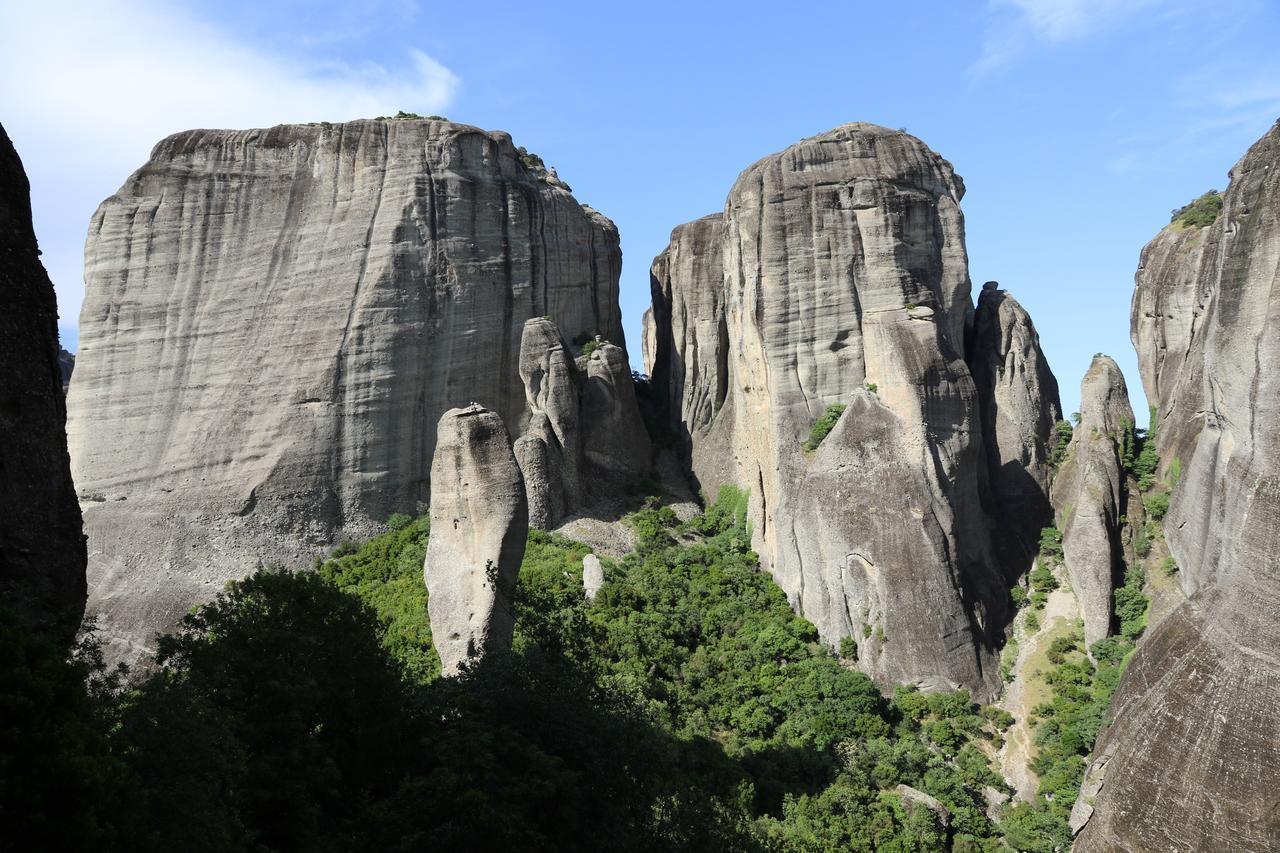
column 837, row 274
column 479, row 523
column 1089, row 494
column 1191, row 760
column 275, row 321
column 42, row 550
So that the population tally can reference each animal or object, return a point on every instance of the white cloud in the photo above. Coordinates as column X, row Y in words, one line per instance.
column 1016, row 26
column 86, row 89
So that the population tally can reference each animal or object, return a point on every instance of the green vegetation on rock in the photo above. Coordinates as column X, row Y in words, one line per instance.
column 1199, row 213
column 823, row 426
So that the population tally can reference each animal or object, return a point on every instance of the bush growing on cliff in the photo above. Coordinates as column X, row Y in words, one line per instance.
column 823, row 426
column 1200, row 213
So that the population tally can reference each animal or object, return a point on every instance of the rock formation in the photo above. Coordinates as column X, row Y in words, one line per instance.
column 1018, row 398
column 592, row 576
column 585, row 437
column 66, row 365
column 837, row 274
column 479, row 523
column 1089, row 494
column 42, row 550
column 274, row 322
column 648, row 340
column 1191, row 757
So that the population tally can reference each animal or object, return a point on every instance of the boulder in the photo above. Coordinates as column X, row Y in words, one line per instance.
column 592, row 576
column 479, row 524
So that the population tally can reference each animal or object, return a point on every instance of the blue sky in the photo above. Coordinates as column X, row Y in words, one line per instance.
column 1076, row 124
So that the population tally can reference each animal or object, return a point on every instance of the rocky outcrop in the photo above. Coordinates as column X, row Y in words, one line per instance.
column 66, row 365
column 479, row 523
column 1193, row 760
column 648, row 341
column 592, row 576
column 1018, row 398
column 837, row 274
column 42, row 550
column 275, row 321
column 1089, row 494
column 585, row 438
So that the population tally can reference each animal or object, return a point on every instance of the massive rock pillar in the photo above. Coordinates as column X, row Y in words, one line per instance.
column 479, row 523
column 1089, row 494
column 1190, row 759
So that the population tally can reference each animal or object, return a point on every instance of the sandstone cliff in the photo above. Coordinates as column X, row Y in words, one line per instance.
column 479, row 523
column 1191, row 760
column 275, row 321
column 837, row 274
column 42, row 550
column 1089, row 495
column 1018, row 398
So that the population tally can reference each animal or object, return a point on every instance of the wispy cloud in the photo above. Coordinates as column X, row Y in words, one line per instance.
column 87, row 88
column 1017, row 26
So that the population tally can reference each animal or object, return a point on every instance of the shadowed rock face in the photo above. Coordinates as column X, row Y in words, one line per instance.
column 42, row 550
column 479, row 523
column 1089, row 494
column 275, row 321
column 1018, row 397
column 837, row 266
column 1191, row 760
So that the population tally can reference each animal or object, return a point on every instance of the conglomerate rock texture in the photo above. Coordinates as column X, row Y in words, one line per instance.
column 1089, row 494
column 1018, row 397
column 1192, row 756
column 42, row 549
column 837, row 273
column 479, row 523
column 275, row 321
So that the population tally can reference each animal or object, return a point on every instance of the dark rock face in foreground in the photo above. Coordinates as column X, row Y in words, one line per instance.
column 1191, row 761
column 837, row 274
column 274, row 322
column 42, row 549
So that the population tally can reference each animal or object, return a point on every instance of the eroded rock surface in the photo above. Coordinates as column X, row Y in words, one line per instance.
column 592, row 576
column 42, row 550
column 837, row 273
column 1193, row 756
column 479, row 524
column 1089, row 494
column 1018, row 397
column 275, row 321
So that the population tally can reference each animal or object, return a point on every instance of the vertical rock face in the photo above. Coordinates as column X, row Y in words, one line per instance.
column 275, row 321
column 1018, row 397
column 479, row 523
column 614, row 438
column 1089, row 494
column 838, row 274
column 648, row 341
column 42, row 550
column 592, row 576
column 1192, row 758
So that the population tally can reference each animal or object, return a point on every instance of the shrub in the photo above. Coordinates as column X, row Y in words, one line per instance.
column 1051, row 542
column 1157, row 504
column 1033, row 621
column 1201, row 212
column 1141, row 542
column 1169, row 566
column 399, row 521
column 590, row 347
column 823, row 426
column 1062, row 440
column 849, row 648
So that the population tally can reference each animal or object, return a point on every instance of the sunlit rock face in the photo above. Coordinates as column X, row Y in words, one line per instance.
column 274, row 322
column 837, row 274
column 1191, row 757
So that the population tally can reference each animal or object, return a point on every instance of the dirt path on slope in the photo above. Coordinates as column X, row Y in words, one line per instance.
column 1028, row 690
